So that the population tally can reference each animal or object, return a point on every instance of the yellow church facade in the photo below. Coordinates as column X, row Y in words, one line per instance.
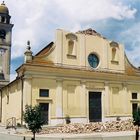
column 81, row 76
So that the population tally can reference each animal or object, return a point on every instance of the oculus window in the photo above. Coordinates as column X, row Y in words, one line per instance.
column 44, row 93
column 93, row 60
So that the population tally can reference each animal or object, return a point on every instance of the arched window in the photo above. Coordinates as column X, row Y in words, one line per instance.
column 2, row 34
column 7, row 20
column 2, row 19
column 71, row 48
column 71, row 45
column 114, row 54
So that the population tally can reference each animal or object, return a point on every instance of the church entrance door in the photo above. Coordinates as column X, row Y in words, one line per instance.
column 95, row 109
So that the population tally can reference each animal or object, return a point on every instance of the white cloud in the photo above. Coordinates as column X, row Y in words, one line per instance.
column 27, row 18
column 132, row 37
column 133, row 57
column 37, row 20
column 87, row 11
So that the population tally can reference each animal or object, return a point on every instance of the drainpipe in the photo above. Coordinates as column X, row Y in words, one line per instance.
column 22, row 84
column 1, row 106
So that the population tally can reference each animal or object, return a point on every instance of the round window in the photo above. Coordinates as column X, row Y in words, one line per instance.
column 93, row 60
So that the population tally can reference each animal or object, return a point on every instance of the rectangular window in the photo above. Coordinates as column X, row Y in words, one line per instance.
column 134, row 96
column 44, row 112
column 44, row 93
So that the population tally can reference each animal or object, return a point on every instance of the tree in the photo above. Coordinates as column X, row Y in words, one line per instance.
column 136, row 121
column 32, row 117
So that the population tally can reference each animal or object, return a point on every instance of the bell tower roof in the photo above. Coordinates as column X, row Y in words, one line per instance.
column 4, row 9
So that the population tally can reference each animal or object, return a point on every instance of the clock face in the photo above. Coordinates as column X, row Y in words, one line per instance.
column 93, row 60
column 2, row 34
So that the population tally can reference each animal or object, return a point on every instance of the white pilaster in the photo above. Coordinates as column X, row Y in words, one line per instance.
column 106, row 99
column 27, row 91
column 125, row 97
column 84, row 100
column 59, row 100
column 59, row 46
column 82, row 50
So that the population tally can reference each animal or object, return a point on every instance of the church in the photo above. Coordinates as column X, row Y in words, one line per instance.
column 81, row 76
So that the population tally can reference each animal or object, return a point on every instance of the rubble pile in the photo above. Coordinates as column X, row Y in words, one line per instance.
column 76, row 128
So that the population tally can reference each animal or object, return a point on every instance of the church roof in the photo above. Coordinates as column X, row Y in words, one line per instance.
column 45, row 49
column 90, row 31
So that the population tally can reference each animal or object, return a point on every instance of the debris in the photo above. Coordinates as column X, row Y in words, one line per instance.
column 76, row 128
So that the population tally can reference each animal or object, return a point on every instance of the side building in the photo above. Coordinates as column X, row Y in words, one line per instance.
column 81, row 75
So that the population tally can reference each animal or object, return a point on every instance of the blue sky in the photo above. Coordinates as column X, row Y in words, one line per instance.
column 37, row 20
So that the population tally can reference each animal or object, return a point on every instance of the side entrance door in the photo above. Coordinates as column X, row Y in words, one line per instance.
column 44, row 111
column 95, row 108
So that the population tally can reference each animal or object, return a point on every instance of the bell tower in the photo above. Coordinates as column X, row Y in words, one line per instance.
column 5, row 45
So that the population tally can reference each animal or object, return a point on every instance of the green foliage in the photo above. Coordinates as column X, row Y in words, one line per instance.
column 136, row 117
column 32, row 117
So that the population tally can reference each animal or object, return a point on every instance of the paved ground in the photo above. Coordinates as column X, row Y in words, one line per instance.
column 78, row 137
column 10, row 135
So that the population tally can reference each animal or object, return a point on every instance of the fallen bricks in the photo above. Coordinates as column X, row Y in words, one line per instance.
column 76, row 128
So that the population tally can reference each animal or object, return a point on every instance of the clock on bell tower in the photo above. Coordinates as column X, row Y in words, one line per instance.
column 5, row 45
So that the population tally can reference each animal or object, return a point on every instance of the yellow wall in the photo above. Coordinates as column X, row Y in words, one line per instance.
column 11, row 108
column 73, row 99
column 44, row 83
